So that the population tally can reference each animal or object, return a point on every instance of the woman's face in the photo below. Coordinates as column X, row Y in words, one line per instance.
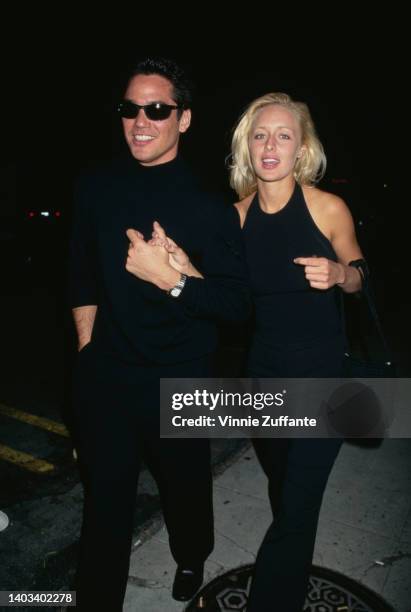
column 274, row 143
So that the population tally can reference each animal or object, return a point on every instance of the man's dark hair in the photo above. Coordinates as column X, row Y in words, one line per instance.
column 171, row 71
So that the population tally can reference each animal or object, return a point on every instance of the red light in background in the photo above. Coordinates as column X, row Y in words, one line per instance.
column 57, row 213
column 32, row 214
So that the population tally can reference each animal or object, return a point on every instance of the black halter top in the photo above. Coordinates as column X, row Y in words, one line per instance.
column 287, row 309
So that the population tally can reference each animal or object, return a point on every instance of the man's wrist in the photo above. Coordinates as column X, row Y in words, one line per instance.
column 168, row 279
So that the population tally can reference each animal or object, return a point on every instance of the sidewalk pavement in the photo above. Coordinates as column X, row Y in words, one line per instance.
column 364, row 530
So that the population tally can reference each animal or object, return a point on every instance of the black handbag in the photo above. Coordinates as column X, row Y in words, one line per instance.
column 370, row 361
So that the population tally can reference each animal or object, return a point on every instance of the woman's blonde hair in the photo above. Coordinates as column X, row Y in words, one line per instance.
column 308, row 169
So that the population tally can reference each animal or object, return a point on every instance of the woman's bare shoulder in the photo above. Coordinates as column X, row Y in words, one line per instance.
column 323, row 201
column 330, row 213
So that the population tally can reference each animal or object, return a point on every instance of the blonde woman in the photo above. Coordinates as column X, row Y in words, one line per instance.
column 299, row 243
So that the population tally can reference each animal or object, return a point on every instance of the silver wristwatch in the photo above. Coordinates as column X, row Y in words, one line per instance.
column 178, row 287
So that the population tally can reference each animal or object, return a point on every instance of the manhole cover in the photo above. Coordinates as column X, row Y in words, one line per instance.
column 328, row 592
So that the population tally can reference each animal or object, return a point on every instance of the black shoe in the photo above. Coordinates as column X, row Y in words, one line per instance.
column 187, row 581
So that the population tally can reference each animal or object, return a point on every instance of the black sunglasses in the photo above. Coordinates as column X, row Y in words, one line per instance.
column 155, row 111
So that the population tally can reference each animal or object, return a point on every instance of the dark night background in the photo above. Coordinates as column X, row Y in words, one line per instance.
column 69, row 120
column 70, row 79
column 58, row 119
column 69, row 82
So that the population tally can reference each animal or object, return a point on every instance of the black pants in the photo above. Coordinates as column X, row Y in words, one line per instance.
column 116, row 413
column 297, row 471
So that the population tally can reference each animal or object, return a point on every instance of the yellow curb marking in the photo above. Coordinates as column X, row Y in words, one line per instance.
column 24, row 460
column 35, row 420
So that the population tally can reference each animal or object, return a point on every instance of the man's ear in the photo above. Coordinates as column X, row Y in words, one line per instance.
column 185, row 120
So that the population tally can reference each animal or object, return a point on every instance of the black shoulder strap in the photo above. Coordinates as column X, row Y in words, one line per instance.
column 366, row 290
column 374, row 315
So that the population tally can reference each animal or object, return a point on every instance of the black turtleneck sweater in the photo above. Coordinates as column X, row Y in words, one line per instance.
column 136, row 321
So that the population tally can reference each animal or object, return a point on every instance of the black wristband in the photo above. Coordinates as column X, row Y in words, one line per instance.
column 363, row 269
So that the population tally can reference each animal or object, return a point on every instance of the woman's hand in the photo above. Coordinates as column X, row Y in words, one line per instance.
column 322, row 273
column 178, row 258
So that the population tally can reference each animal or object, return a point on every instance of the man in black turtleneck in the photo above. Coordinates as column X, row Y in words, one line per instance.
column 139, row 319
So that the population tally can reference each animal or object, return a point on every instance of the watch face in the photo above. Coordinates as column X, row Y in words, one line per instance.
column 175, row 291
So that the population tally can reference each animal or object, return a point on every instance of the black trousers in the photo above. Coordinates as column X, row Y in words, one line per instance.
column 297, row 471
column 116, row 416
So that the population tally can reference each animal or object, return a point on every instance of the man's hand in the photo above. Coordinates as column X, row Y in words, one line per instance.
column 150, row 262
column 322, row 273
column 178, row 258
